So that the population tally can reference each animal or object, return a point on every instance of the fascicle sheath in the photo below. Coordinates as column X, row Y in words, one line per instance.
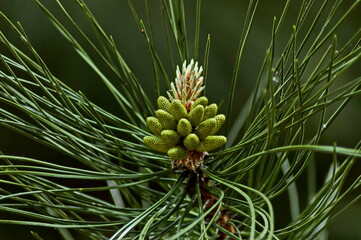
column 210, row 111
column 163, row 103
column 177, row 153
column 195, row 116
column 156, row 143
column 200, row 101
column 154, row 125
column 191, row 142
column 205, row 128
column 220, row 118
column 184, row 127
column 178, row 110
column 170, row 137
column 211, row 142
column 166, row 119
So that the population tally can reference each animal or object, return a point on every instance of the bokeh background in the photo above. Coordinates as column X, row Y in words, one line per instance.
column 223, row 20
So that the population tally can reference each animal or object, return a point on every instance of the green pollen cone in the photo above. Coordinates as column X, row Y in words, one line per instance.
column 184, row 127
column 177, row 153
column 206, row 128
column 211, row 142
column 154, row 125
column 163, row 103
column 156, row 143
column 210, row 111
column 195, row 116
column 191, row 142
column 200, row 101
column 220, row 118
column 170, row 137
column 166, row 120
column 178, row 132
column 178, row 110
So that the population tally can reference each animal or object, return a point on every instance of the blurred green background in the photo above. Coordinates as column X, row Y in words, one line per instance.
column 222, row 20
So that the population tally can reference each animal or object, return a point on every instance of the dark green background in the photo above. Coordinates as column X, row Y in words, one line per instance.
column 222, row 19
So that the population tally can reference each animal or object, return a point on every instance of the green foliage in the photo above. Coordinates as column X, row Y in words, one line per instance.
column 270, row 144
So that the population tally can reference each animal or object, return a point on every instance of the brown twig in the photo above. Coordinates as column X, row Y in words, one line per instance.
column 208, row 200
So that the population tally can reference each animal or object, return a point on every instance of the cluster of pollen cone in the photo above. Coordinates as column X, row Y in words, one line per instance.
column 185, row 125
